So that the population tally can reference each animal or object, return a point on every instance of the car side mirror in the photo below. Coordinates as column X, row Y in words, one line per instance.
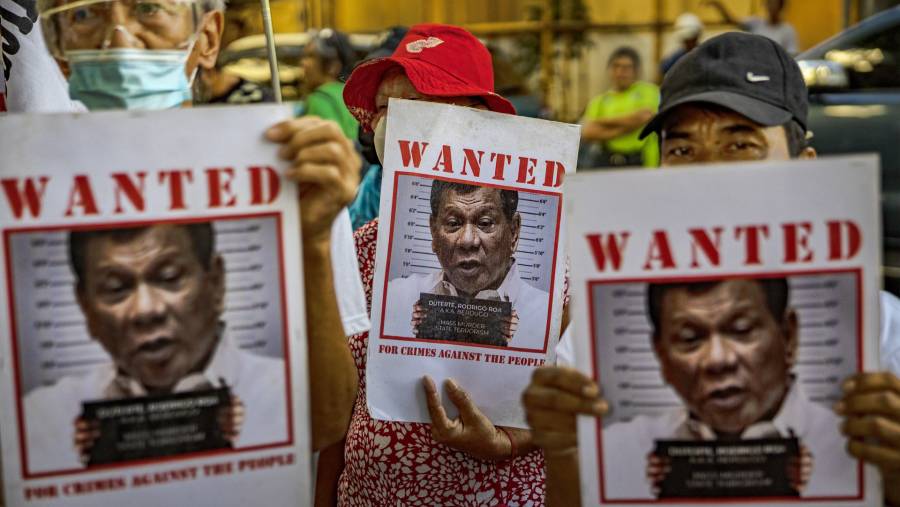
column 824, row 75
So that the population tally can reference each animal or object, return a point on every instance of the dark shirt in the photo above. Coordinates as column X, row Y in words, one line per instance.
column 670, row 60
column 245, row 92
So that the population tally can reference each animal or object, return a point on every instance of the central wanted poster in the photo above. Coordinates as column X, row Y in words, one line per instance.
column 720, row 309
column 470, row 270
column 153, row 336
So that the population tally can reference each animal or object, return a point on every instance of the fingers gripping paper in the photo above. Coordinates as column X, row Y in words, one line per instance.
column 469, row 275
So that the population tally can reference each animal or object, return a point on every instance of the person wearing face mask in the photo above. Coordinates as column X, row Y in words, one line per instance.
column 145, row 55
column 736, row 97
column 126, row 54
column 463, row 460
column 368, row 199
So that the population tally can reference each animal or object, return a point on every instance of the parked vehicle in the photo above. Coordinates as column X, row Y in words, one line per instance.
column 854, row 92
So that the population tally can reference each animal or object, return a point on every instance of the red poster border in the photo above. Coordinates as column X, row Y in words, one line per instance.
column 387, row 275
column 701, row 278
column 20, row 417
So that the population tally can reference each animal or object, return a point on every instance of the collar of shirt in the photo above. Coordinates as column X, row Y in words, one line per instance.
column 507, row 291
column 221, row 370
column 790, row 420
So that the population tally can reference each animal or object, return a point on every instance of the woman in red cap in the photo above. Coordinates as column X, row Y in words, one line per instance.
column 466, row 461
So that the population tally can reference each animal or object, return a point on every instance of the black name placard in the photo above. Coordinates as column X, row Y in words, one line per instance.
column 744, row 468
column 155, row 426
column 462, row 319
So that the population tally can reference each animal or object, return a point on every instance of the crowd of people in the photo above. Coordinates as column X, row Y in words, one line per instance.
column 338, row 139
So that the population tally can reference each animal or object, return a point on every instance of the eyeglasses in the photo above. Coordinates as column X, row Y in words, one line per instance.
column 101, row 24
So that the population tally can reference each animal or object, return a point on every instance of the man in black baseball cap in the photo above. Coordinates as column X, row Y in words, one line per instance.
column 737, row 97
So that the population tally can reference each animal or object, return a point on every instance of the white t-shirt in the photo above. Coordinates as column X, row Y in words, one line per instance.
column 783, row 33
column 348, row 285
column 889, row 353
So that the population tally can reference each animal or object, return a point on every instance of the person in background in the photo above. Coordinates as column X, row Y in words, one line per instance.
column 365, row 206
column 772, row 26
column 510, row 83
column 688, row 31
column 614, row 119
column 223, row 87
column 327, row 60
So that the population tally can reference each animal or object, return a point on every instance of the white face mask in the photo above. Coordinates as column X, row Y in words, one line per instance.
column 380, row 137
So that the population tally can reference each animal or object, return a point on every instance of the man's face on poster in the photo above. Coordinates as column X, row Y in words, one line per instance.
column 724, row 353
column 152, row 303
column 474, row 239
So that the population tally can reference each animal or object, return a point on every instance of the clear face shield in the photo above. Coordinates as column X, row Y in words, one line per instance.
column 124, row 54
column 74, row 25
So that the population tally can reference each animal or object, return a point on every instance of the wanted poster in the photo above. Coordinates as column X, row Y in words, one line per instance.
column 469, row 278
column 153, row 347
column 720, row 325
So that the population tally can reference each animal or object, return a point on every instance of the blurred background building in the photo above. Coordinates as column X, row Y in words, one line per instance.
column 555, row 49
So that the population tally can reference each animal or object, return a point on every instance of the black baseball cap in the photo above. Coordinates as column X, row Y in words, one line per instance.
column 749, row 74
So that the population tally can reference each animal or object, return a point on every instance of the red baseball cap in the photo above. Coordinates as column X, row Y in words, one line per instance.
column 439, row 60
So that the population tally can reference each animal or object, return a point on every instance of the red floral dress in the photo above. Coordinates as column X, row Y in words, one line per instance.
column 399, row 464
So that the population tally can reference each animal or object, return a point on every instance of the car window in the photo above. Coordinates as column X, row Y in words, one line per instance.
column 873, row 62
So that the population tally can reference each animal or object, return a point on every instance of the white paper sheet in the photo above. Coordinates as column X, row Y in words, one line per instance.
column 465, row 145
column 47, row 356
column 693, row 225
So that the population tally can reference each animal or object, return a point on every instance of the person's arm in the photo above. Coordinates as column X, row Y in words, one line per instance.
column 328, row 475
column 553, row 399
column 326, row 169
column 871, row 410
column 604, row 129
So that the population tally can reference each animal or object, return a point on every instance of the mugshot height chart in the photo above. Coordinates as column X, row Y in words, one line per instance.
column 152, row 168
column 432, row 146
column 630, row 229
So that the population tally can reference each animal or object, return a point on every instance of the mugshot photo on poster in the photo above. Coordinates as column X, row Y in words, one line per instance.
column 723, row 387
column 148, row 341
column 470, row 263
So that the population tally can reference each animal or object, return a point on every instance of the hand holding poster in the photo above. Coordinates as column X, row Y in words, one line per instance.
column 153, row 298
column 721, row 339
column 469, row 278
